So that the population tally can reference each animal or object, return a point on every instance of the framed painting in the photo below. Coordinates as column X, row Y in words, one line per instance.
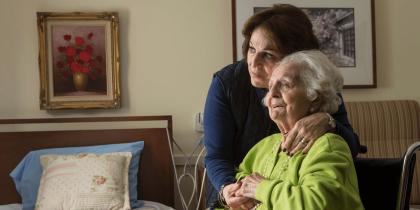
column 345, row 30
column 79, row 60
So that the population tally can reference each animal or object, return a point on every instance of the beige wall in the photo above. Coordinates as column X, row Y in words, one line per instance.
column 170, row 49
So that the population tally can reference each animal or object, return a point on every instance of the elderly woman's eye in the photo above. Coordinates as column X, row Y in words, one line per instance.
column 251, row 49
column 285, row 86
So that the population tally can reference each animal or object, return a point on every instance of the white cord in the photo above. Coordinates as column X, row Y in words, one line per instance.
column 184, row 205
column 186, row 175
column 202, row 180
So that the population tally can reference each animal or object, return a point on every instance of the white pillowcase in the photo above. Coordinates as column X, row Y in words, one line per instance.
column 84, row 181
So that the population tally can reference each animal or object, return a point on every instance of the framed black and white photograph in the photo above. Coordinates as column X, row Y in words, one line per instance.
column 345, row 31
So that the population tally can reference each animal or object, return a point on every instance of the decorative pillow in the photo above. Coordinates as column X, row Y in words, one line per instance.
column 28, row 172
column 84, row 181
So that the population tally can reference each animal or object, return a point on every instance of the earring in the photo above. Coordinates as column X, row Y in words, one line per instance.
column 312, row 110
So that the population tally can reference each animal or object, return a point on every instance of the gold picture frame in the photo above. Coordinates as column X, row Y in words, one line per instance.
column 79, row 60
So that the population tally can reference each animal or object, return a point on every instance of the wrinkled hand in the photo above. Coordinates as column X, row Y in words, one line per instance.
column 249, row 185
column 234, row 201
column 305, row 132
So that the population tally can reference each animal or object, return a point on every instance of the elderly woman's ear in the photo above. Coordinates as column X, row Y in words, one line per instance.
column 315, row 105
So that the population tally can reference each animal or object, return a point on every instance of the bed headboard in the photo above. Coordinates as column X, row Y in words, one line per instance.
column 156, row 175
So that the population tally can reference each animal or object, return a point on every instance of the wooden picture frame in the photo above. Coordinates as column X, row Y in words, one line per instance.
column 347, row 35
column 79, row 60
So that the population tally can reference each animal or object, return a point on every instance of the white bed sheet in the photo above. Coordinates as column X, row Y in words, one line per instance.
column 147, row 205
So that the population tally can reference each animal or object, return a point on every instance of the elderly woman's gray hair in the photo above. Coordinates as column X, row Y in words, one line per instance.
column 321, row 78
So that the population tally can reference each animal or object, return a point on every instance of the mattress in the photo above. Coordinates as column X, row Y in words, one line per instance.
column 147, row 205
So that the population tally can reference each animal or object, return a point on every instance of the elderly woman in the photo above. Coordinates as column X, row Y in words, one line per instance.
column 302, row 83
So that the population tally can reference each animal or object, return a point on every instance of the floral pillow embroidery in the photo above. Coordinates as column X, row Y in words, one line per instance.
column 84, row 181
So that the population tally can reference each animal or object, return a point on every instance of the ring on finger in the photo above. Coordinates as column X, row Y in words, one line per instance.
column 303, row 142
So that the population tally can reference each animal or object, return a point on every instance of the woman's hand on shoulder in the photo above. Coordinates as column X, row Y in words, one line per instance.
column 305, row 132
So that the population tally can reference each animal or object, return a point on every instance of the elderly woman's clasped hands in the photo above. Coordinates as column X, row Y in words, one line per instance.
column 242, row 194
column 249, row 185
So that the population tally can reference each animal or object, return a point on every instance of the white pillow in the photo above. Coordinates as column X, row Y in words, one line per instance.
column 84, row 181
